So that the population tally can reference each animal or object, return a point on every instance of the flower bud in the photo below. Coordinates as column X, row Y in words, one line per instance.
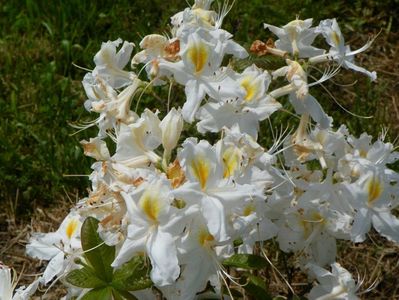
column 171, row 127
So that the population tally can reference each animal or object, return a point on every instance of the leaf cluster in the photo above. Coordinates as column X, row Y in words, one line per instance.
column 99, row 276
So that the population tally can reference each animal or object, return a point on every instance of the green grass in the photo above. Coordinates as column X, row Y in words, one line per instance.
column 40, row 89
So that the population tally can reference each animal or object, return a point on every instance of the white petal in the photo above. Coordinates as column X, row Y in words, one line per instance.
column 316, row 112
column 127, row 251
column 54, row 267
column 179, row 71
column 190, row 192
column 265, row 108
column 349, row 65
column 230, row 193
column 123, row 55
column 24, row 293
column 214, row 116
column 214, row 213
column 276, row 30
column 194, row 94
column 324, row 249
column 127, row 145
column 193, row 279
column 323, row 276
column 162, row 252
column 387, row 225
column 235, row 49
column 41, row 245
column 6, row 284
column 361, row 225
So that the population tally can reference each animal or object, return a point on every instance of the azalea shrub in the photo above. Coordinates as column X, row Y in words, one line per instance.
column 180, row 217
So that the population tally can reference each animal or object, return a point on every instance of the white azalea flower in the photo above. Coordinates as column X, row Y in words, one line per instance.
column 337, row 284
column 252, row 225
column 59, row 248
column 136, row 142
column 333, row 143
column 208, row 184
column 373, row 197
column 340, row 52
column 315, row 218
column 200, row 257
column 362, row 154
column 296, row 38
column 298, row 91
column 110, row 63
column 202, row 53
column 305, row 230
column 153, row 227
column 240, row 153
column 113, row 108
column 7, row 283
column 245, row 111
column 198, row 16
column 156, row 48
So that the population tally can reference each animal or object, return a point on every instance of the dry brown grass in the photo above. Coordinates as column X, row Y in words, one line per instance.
column 15, row 233
column 383, row 56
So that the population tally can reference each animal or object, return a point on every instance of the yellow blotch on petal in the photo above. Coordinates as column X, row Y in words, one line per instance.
column 306, row 227
column 107, row 57
column 317, row 218
column 335, row 38
column 150, row 204
column 251, row 87
column 249, row 209
column 307, row 223
column 363, row 153
column 198, row 53
column 201, row 169
column 231, row 159
column 374, row 189
column 204, row 237
column 71, row 227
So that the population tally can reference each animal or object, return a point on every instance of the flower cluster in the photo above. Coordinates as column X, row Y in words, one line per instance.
column 188, row 205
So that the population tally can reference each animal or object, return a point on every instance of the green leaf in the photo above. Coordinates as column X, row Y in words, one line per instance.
column 84, row 278
column 256, row 287
column 237, row 242
column 132, row 276
column 245, row 261
column 104, row 293
column 134, row 266
column 140, row 283
column 100, row 257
